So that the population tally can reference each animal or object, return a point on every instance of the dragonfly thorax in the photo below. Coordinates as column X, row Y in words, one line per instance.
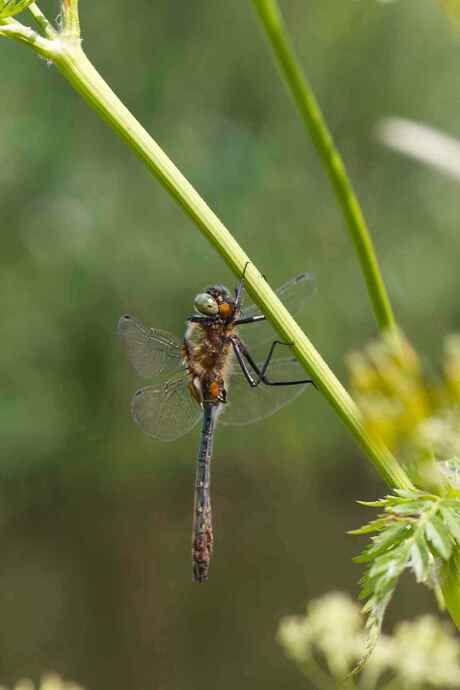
column 207, row 355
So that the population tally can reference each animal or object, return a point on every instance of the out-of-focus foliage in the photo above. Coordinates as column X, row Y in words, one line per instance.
column 327, row 642
column 414, row 413
column 51, row 681
column 95, row 517
column 387, row 384
column 452, row 7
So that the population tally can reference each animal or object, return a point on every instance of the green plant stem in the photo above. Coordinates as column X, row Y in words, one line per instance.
column 71, row 17
column 272, row 21
column 450, row 585
column 41, row 21
column 24, row 34
column 76, row 67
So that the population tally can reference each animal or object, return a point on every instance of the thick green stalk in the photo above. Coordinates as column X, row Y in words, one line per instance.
column 272, row 21
column 75, row 66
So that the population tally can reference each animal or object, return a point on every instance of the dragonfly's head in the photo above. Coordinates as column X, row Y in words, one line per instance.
column 216, row 301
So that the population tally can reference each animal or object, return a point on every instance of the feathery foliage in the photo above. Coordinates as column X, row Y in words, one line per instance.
column 10, row 7
column 416, row 531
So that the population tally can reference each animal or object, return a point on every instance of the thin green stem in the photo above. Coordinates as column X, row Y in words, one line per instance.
column 25, row 34
column 71, row 17
column 76, row 67
column 41, row 21
column 304, row 97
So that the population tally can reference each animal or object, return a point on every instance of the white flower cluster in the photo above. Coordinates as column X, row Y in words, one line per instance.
column 426, row 653
column 330, row 639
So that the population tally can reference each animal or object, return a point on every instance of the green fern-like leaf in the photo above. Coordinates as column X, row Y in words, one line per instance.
column 416, row 531
column 8, row 8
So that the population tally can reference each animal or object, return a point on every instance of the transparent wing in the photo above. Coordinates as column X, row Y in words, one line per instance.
column 294, row 294
column 166, row 411
column 246, row 405
column 150, row 351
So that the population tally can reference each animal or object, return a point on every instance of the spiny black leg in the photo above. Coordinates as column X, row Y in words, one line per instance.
column 261, row 371
column 267, row 362
column 270, row 354
column 243, row 366
column 250, row 319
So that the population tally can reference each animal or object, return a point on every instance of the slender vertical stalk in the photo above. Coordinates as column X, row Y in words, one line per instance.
column 272, row 22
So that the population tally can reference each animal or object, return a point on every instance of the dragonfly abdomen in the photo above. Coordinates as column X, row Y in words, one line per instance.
column 203, row 537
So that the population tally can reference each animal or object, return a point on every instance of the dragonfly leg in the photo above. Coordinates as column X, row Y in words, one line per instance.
column 243, row 366
column 239, row 288
column 270, row 355
column 250, row 319
column 261, row 371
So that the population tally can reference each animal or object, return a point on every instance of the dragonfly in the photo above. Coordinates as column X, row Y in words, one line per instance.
column 213, row 372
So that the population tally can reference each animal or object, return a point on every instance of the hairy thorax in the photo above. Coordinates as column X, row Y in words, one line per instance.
column 207, row 354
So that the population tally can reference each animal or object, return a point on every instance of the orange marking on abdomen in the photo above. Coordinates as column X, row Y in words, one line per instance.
column 214, row 390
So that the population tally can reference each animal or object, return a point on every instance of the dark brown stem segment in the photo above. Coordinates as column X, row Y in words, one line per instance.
column 203, row 537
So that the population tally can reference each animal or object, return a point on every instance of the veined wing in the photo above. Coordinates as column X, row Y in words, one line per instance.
column 293, row 294
column 167, row 410
column 246, row 405
column 150, row 351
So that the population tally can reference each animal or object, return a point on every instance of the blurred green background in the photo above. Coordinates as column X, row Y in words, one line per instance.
column 95, row 517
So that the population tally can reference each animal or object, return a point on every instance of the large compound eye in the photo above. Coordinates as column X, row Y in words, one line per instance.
column 206, row 304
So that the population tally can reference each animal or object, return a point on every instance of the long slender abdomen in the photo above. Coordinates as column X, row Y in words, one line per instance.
column 203, row 537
